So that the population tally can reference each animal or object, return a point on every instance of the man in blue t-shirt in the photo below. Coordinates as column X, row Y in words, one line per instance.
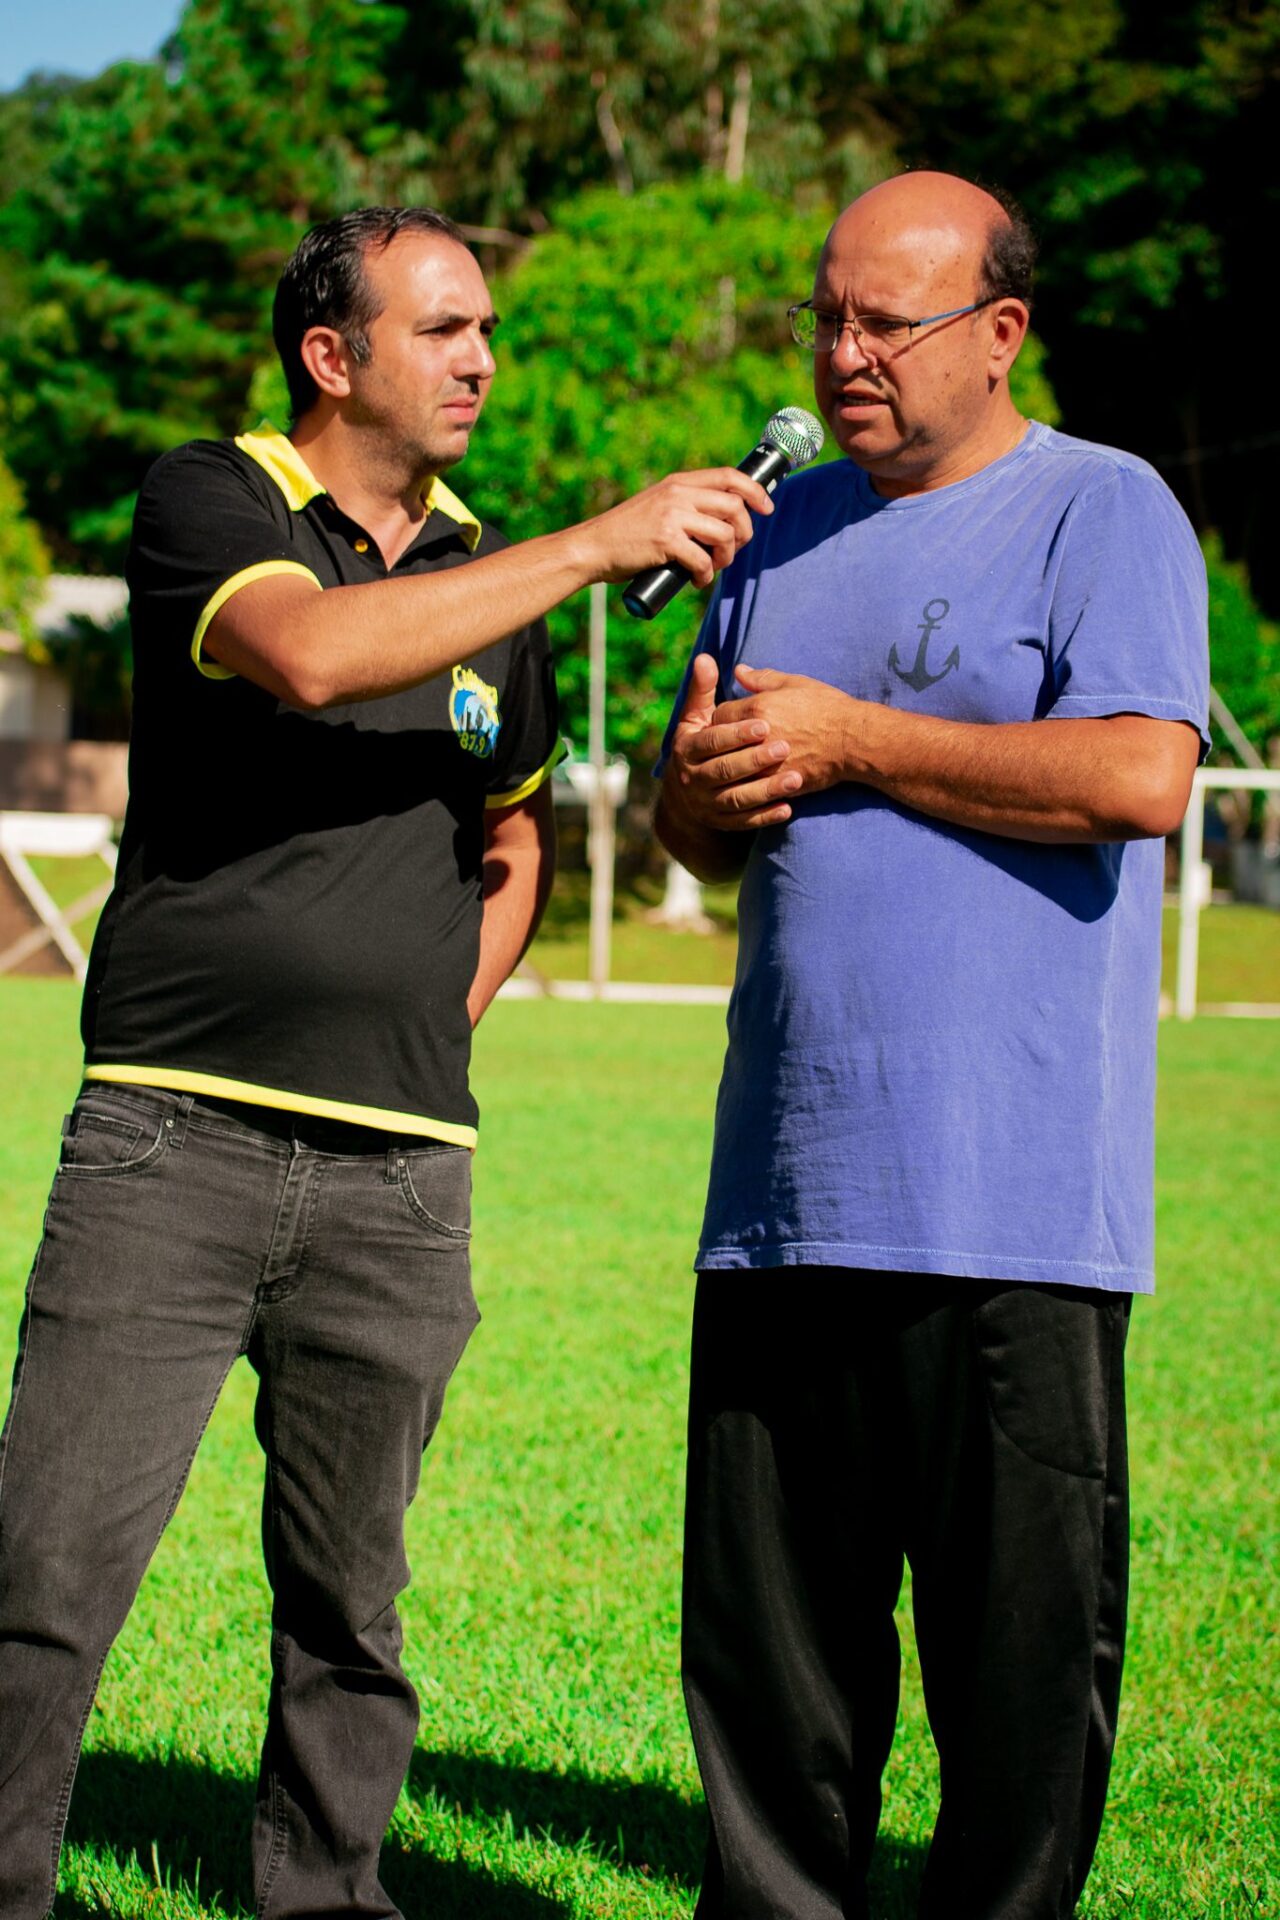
column 943, row 711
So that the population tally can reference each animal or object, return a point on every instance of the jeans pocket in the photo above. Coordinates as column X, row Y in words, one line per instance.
column 101, row 1141
column 435, row 1185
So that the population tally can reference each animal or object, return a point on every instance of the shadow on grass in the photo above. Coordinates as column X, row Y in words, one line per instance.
column 197, row 1822
column 643, row 1827
column 640, row 1826
column 194, row 1819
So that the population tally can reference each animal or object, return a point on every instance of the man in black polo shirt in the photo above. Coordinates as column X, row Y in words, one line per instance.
column 338, row 845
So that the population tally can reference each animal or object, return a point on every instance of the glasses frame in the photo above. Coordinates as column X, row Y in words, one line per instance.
column 859, row 332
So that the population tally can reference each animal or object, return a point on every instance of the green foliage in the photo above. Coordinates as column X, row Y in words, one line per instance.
column 268, row 397
column 1141, row 140
column 24, row 560
column 1107, row 118
column 98, row 662
column 145, row 219
column 642, row 334
column 527, row 104
column 145, row 214
column 1244, row 648
column 103, row 374
column 1030, row 386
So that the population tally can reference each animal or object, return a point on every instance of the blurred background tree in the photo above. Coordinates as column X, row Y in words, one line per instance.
column 644, row 334
column 647, row 185
column 1141, row 141
column 24, row 562
column 1246, row 651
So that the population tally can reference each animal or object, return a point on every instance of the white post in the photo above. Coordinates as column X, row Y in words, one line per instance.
column 601, row 821
column 1189, row 892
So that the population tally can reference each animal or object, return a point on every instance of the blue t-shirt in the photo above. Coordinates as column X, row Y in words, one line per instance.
column 942, row 1042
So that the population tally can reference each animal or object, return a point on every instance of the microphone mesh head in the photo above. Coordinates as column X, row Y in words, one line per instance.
column 796, row 433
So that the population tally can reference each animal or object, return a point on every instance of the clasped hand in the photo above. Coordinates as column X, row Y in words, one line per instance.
column 738, row 764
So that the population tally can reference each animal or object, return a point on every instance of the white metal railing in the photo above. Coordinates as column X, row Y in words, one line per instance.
column 1190, row 887
column 66, row 835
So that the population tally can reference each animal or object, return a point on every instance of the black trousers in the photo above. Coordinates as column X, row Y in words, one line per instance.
column 839, row 1421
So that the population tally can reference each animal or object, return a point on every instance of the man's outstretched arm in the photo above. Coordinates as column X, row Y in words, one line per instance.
column 317, row 648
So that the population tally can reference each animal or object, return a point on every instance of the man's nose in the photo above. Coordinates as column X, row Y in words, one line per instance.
column 475, row 359
column 849, row 352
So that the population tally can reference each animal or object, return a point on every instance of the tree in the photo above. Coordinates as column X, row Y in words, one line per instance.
column 146, row 213
column 1141, row 141
column 1244, row 649
column 619, row 361
column 144, row 227
column 24, row 561
column 521, row 106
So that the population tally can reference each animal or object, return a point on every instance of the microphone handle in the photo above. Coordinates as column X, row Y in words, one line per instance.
column 651, row 590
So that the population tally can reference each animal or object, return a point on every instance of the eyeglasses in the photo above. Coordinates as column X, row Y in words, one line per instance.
column 819, row 332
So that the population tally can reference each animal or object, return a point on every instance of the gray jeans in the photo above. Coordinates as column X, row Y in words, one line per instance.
column 179, row 1235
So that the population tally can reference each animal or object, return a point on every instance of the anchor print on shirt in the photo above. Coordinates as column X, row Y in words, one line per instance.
column 918, row 675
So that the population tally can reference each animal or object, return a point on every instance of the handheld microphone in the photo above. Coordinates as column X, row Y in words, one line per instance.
column 791, row 439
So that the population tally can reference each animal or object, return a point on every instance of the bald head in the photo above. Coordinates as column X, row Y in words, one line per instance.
column 945, row 223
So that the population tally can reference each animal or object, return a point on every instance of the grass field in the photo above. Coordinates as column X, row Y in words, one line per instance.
column 554, row 1779
column 1239, row 944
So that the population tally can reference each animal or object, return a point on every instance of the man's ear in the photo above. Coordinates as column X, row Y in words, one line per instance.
column 1011, row 318
column 327, row 358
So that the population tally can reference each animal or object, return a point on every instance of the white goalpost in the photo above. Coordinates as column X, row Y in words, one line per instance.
column 1191, row 887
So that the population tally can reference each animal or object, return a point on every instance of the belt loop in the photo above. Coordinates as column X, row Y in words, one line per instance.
column 177, row 1124
column 395, row 1160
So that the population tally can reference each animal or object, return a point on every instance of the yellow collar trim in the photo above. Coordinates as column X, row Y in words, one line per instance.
column 278, row 457
column 441, row 499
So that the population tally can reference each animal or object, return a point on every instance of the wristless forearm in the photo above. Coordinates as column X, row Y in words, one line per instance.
column 1052, row 781
column 709, row 854
column 363, row 642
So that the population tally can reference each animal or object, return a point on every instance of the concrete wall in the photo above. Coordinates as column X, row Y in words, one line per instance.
column 35, row 701
column 68, row 776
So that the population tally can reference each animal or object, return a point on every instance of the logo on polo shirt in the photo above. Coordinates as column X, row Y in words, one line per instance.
column 473, row 711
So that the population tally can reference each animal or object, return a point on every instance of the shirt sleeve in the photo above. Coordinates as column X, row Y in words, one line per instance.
column 1128, row 628
column 529, row 744
column 205, row 526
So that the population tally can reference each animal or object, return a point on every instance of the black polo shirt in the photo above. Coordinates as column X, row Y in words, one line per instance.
column 296, row 915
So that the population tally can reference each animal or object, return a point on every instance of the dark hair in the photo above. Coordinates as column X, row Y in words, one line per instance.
column 1009, row 258
column 324, row 285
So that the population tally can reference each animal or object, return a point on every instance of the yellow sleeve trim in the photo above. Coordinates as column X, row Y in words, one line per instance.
column 442, row 499
column 263, row 571
column 531, row 785
column 178, row 1080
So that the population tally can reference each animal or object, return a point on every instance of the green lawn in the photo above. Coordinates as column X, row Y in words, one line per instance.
column 554, row 1776
column 1239, row 945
